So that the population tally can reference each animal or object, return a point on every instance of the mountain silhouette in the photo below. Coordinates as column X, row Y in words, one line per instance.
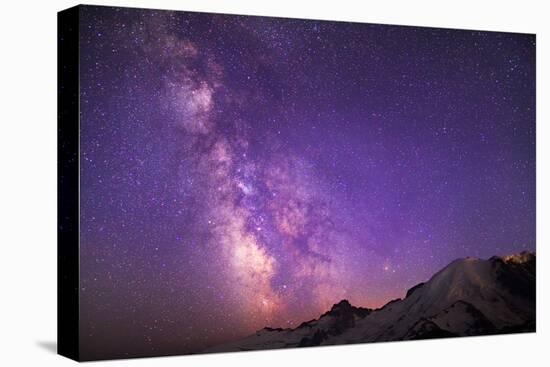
column 470, row 296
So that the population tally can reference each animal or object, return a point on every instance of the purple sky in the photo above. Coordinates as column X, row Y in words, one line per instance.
column 241, row 172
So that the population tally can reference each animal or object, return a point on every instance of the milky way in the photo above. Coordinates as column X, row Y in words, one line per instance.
column 241, row 172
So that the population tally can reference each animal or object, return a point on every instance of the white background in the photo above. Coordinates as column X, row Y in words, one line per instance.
column 28, row 182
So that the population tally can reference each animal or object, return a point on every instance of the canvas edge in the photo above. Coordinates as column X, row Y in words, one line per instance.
column 68, row 183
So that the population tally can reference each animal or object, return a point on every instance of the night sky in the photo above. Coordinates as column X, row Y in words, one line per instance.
column 241, row 172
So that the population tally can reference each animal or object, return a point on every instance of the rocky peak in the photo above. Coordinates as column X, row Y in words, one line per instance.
column 342, row 305
column 344, row 309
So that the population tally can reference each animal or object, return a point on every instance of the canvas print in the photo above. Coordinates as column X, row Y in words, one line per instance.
column 249, row 183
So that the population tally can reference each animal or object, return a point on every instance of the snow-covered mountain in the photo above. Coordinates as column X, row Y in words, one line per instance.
column 469, row 296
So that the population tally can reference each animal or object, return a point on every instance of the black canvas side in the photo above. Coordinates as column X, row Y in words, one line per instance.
column 68, row 183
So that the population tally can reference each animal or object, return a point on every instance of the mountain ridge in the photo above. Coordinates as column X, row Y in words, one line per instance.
column 469, row 296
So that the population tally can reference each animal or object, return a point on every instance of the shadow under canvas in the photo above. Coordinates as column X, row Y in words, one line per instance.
column 50, row 346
